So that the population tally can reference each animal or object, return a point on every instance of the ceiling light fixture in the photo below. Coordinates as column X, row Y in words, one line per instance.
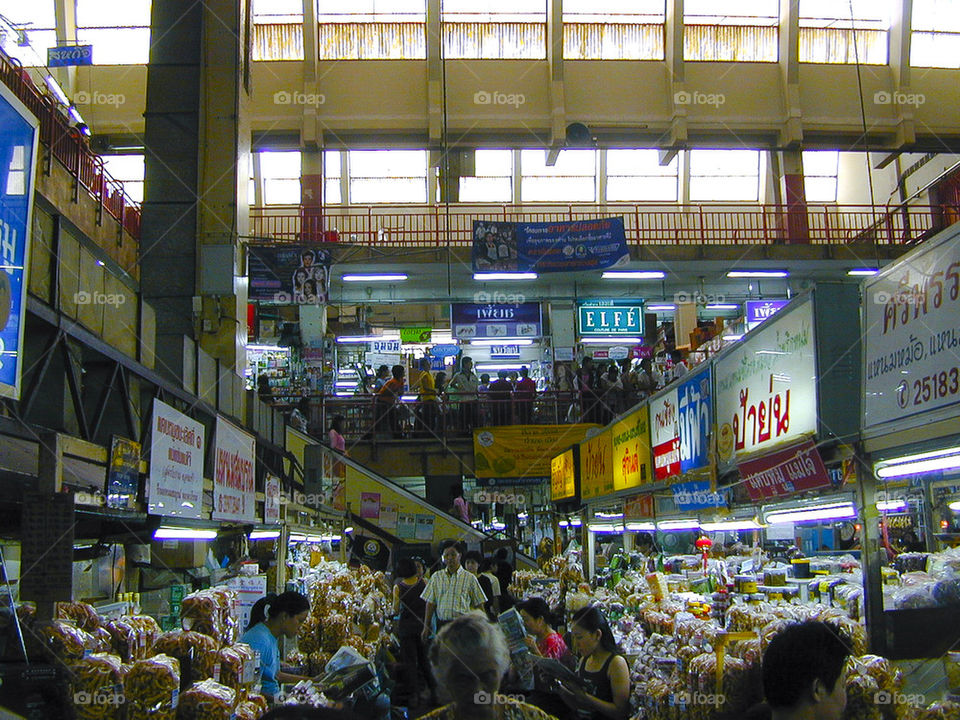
column 723, row 525
column 182, row 533
column 484, row 276
column 641, row 526
column 865, row 272
column 919, row 464
column 660, row 307
column 264, row 534
column 678, row 525
column 758, row 274
column 891, row 505
column 811, row 513
column 375, row 277
column 633, row 275
column 485, row 342
column 610, row 340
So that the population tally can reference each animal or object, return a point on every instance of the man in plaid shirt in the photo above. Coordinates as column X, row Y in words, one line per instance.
column 452, row 591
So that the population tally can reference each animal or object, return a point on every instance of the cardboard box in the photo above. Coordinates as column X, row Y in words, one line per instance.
column 177, row 554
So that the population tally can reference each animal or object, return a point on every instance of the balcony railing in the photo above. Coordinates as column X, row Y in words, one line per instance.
column 645, row 224
column 70, row 147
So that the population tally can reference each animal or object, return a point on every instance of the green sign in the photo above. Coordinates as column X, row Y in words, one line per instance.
column 610, row 317
column 415, row 334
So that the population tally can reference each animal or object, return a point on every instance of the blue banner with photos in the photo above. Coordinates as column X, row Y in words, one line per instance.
column 288, row 274
column 563, row 246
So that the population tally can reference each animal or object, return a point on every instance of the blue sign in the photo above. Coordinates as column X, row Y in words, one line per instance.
column 18, row 162
column 610, row 317
column 505, row 352
column 697, row 495
column 562, row 246
column 446, row 350
column 494, row 320
column 64, row 55
column 760, row 310
column 695, row 417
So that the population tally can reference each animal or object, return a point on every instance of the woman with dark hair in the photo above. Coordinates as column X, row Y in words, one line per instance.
column 409, row 609
column 603, row 671
column 271, row 617
column 545, row 641
column 335, row 434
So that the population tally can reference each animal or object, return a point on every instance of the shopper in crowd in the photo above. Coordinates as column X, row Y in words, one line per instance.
column 272, row 617
column 500, row 394
column 386, row 414
column 410, row 610
column 459, row 507
column 543, row 640
column 610, row 392
column 803, row 673
column 483, row 395
column 587, row 387
column 678, row 367
column 647, row 382
column 383, row 374
column 486, row 571
column 300, row 416
column 428, row 410
column 264, row 391
column 504, row 570
column 469, row 660
column 335, row 434
column 629, row 395
column 524, row 395
column 604, row 693
column 463, row 395
column 450, row 592
column 472, row 561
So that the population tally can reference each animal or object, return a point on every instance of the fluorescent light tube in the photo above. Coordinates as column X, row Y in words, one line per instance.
column 891, row 505
column 482, row 277
column 604, row 527
column 500, row 366
column 633, row 275
column 758, row 274
column 297, row 537
column 862, row 271
column 674, row 525
column 730, row 525
column 733, row 337
column 641, row 526
column 486, row 342
column 343, row 339
column 661, row 307
column 608, row 516
column 576, row 522
column 57, row 90
column 264, row 534
column 946, row 459
column 182, row 533
column 722, row 306
column 563, row 523
column 833, row 511
column 955, row 506
column 375, row 277
column 346, row 383
column 266, row 348
column 610, row 340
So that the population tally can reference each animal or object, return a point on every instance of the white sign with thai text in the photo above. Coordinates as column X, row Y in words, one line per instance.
column 234, row 494
column 175, row 483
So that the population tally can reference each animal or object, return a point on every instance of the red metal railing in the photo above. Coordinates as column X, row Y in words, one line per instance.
column 644, row 223
column 70, row 147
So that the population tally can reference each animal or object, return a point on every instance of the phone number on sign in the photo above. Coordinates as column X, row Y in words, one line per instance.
column 932, row 387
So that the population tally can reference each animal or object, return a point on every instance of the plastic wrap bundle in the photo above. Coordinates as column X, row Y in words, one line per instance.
column 97, row 687
column 862, row 692
column 151, row 688
column 80, row 613
column 64, row 641
column 750, row 651
column 197, row 653
column 207, row 700
column 237, row 666
column 306, row 693
column 211, row 612
column 132, row 637
column 910, row 562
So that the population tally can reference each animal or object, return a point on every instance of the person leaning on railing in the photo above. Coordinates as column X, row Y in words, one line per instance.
column 386, row 417
column 463, row 395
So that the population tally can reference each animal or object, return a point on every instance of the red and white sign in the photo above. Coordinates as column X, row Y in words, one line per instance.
column 792, row 470
column 234, row 495
column 665, row 435
column 271, row 500
column 175, row 484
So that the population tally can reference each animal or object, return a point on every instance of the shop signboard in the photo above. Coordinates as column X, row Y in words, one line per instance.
column 794, row 469
column 638, row 507
column 123, row 473
column 445, row 350
column 563, row 475
column 561, row 246
column 493, row 320
column 175, row 483
column 694, row 410
column 596, row 466
column 288, row 274
column 370, row 551
column 416, row 335
column 760, row 310
column 911, row 334
column 630, row 446
column 505, row 352
column 69, row 55
column 521, row 453
column 766, row 385
column 234, row 492
column 697, row 495
column 18, row 159
column 271, row 500
column 384, row 346
column 623, row 318
column 665, row 434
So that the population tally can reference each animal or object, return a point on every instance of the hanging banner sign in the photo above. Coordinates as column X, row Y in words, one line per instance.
column 18, row 158
column 792, row 470
column 505, row 352
column 766, row 385
column 384, row 346
column 631, row 451
column 271, row 500
column 563, row 475
column 596, row 466
column 69, row 55
column 491, row 320
column 697, row 495
column 234, row 494
column 288, row 274
column 563, row 246
column 695, row 418
column 175, row 483
column 665, row 435
column 911, row 334
column 521, row 451
column 446, row 350
column 610, row 317
column 760, row 310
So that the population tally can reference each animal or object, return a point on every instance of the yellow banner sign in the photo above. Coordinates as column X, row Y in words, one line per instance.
column 562, row 476
column 522, row 451
column 631, row 451
column 596, row 466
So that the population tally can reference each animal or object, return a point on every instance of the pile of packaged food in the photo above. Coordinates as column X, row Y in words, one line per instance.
column 930, row 580
column 97, row 687
column 207, row 700
column 211, row 612
column 198, row 654
column 151, row 688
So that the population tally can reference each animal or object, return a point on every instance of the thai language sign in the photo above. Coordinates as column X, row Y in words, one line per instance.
column 66, row 55
column 911, row 334
column 766, row 385
column 288, row 274
column 694, row 411
column 271, row 500
column 794, row 469
column 630, row 444
column 697, row 495
column 18, row 162
column 610, row 317
column 561, row 246
column 760, row 310
column 493, row 320
column 175, row 483
column 665, row 435
column 563, row 476
column 596, row 466
column 522, row 452
column 234, row 495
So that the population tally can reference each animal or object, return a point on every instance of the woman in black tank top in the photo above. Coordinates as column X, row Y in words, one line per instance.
column 605, row 678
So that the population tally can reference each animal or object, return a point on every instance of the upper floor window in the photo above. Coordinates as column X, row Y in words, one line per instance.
column 854, row 31
column 372, row 29
column 28, row 30
column 820, row 169
column 128, row 169
column 493, row 181
column 280, row 174
column 277, row 30
column 613, row 29
column 744, row 31
column 388, row 176
column 935, row 41
column 119, row 32
column 636, row 175
column 572, row 179
column 717, row 175
column 495, row 29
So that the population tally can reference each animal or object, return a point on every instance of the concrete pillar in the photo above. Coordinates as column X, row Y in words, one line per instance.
column 197, row 142
column 311, row 194
column 795, row 197
column 65, row 16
